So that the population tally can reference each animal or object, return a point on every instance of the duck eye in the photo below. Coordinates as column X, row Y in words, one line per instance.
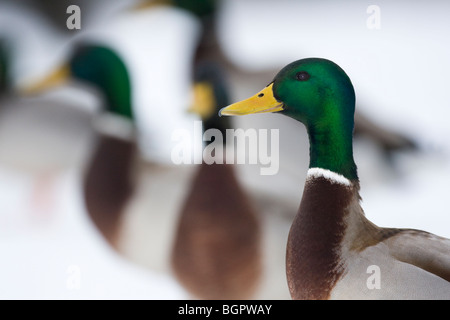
column 302, row 76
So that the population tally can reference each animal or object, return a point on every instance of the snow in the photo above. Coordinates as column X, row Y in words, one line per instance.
column 59, row 254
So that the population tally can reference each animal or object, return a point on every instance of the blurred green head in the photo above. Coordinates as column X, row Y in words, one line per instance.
column 99, row 67
column 104, row 69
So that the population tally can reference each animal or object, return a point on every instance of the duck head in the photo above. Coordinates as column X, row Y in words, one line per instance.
column 100, row 67
column 318, row 93
column 306, row 90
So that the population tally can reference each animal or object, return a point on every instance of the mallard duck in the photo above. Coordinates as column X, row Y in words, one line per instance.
column 107, row 184
column 217, row 246
column 162, row 96
column 115, row 179
column 332, row 248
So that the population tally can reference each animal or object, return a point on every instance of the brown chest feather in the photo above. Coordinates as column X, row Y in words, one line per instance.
column 313, row 264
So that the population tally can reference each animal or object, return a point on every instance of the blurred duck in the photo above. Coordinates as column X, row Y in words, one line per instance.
column 149, row 226
column 124, row 193
column 107, row 183
column 333, row 250
column 217, row 246
column 119, row 187
column 105, row 192
column 219, row 250
column 115, row 141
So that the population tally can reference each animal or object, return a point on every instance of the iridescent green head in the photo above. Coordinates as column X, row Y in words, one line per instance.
column 318, row 93
column 315, row 92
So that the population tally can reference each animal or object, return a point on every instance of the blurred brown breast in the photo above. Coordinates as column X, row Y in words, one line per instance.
column 217, row 250
column 108, row 184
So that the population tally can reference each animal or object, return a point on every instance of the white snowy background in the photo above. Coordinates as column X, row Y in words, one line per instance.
column 399, row 70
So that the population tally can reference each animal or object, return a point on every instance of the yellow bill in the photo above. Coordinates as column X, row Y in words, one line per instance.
column 204, row 103
column 262, row 102
column 54, row 79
